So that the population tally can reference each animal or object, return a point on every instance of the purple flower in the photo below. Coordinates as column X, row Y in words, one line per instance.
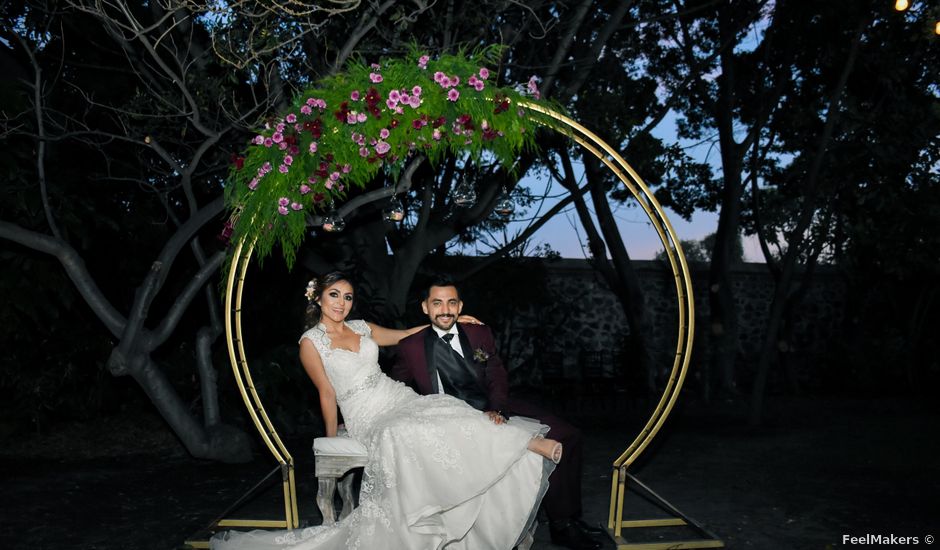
column 306, row 110
column 478, row 85
column 268, row 142
column 328, row 184
column 423, row 61
column 452, row 95
column 282, row 145
column 414, row 101
column 484, row 73
column 259, row 139
column 304, row 189
column 533, row 87
column 266, row 167
column 416, row 90
column 382, row 147
column 291, row 118
column 283, row 169
column 282, row 210
column 296, row 206
column 439, row 77
column 283, row 201
column 375, row 77
column 354, row 95
column 334, row 176
column 363, row 152
column 253, row 183
column 280, row 127
column 351, row 118
column 390, row 104
column 383, row 133
column 361, row 117
column 346, row 168
column 288, row 160
column 436, row 134
column 313, row 147
column 395, row 96
column 455, row 81
column 277, row 137
column 375, row 66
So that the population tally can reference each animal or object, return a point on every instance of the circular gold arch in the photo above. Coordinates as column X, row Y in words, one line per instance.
column 582, row 136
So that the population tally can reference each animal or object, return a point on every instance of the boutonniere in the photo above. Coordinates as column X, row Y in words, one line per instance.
column 480, row 355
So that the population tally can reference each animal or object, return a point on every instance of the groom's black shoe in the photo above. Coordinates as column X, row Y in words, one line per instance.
column 591, row 530
column 571, row 535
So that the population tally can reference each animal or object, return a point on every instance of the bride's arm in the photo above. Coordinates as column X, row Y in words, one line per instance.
column 314, row 367
column 390, row 337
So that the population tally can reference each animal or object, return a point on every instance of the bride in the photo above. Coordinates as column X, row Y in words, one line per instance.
column 440, row 474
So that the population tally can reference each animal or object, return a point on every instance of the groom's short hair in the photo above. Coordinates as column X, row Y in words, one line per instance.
column 440, row 280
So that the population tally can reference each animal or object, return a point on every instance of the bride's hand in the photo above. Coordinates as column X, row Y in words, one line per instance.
column 469, row 319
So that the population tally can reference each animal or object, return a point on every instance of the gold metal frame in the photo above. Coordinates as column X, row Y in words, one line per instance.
column 606, row 154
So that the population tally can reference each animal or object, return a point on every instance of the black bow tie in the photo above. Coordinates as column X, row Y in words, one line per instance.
column 447, row 337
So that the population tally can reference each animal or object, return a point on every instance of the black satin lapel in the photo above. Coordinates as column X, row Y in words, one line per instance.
column 429, row 359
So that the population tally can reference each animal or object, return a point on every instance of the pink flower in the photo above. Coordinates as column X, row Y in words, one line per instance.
column 258, row 140
column 283, row 169
column 306, row 110
column 253, row 183
column 328, row 184
column 268, row 142
column 439, row 77
column 277, row 137
column 436, row 134
column 266, row 167
column 280, row 127
column 283, row 201
column 390, row 104
column 375, row 66
column 363, row 152
column 351, row 118
column 282, row 145
column 288, row 160
column 452, row 95
column 478, row 85
column 313, row 147
column 361, row 117
column 383, row 133
column 533, row 87
column 291, row 118
column 375, row 77
column 296, row 206
column 354, row 95
column 455, row 81
column 395, row 96
column 311, row 102
column 334, row 176
column 346, row 168
column 382, row 147
column 416, row 90
column 304, row 189
column 414, row 102
column 423, row 61
column 473, row 80
column 282, row 210
column 484, row 73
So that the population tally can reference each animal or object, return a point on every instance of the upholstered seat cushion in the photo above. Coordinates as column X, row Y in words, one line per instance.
column 338, row 446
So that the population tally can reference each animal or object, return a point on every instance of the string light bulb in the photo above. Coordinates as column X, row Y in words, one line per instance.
column 902, row 5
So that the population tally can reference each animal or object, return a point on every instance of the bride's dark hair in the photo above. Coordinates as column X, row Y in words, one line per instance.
column 315, row 289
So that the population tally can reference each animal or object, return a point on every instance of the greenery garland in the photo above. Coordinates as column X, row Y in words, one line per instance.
column 341, row 132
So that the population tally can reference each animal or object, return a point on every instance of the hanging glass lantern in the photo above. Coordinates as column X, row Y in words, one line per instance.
column 464, row 194
column 394, row 212
column 333, row 222
column 504, row 206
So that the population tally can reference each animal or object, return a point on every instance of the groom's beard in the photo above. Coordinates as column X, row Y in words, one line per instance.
column 444, row 322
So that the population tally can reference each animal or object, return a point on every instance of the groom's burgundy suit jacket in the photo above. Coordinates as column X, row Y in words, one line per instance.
column 479, row 351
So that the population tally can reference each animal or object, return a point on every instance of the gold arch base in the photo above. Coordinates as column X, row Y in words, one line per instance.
column 620, row 476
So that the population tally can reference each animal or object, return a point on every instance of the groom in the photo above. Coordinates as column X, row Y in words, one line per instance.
column 461, row 360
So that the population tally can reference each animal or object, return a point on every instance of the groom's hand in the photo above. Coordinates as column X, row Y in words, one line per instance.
column 495, row 417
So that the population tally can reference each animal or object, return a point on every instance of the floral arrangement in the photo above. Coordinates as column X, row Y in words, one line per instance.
column 341, row 132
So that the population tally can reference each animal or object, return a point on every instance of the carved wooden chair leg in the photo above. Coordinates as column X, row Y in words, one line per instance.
column 326, row 488
column 346, row 494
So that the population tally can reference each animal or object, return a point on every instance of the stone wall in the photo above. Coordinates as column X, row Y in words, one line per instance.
column 573, row 313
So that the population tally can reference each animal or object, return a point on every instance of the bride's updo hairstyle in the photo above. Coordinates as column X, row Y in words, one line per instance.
column 315, row 289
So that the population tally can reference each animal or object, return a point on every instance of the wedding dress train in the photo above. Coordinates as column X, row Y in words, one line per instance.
column 440, row 473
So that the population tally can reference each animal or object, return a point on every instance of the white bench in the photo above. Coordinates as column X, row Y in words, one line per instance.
column 334, row 457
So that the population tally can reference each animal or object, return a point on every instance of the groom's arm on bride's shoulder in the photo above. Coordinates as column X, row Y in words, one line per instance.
column 312, row 363
column 384, row 336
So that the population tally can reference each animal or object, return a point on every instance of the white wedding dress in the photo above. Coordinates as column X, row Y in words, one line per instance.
column 440, row 473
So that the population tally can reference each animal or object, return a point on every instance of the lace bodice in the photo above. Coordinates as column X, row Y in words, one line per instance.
column 363, row 392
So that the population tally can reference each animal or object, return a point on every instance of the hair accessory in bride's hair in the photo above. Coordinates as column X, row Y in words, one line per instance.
column 311, row 291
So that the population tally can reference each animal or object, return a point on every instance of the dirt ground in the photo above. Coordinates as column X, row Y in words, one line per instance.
column 821, row 469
